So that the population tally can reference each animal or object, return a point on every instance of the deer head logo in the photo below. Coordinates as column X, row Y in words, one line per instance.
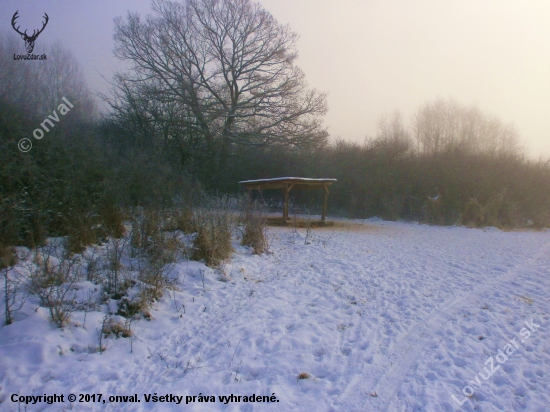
column 29, row 40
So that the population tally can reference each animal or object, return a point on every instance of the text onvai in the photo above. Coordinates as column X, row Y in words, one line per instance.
column 48, row 122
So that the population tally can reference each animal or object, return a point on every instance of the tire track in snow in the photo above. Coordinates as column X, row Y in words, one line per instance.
column 410, row 347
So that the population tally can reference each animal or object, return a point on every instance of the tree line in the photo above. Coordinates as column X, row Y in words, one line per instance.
column 213, row 96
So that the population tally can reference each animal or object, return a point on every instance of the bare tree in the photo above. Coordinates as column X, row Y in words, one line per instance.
column 391, row 129
column 230, row 65
column 12, row 283
column 15, row 79
column 50, row 80
column 444, row 124
column 61, row 76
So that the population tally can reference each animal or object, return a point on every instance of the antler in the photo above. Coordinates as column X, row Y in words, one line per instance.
column 15, row 16
column 34, row 36
column 34, row 33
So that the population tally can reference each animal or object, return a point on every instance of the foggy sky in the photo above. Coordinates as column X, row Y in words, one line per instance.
column 371, row 56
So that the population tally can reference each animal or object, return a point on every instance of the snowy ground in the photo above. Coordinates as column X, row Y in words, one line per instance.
column 382, row 316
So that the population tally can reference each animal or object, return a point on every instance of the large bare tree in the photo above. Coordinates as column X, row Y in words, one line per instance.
column 230, row 66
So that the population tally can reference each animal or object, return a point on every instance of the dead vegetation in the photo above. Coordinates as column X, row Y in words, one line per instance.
column 128, row 269
column 254, row 225
column 116, row 327
column 499, row 212
column 12, row 283
column 52, row 279
column 212, row 223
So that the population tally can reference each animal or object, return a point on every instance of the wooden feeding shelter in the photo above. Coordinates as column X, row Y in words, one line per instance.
column 289, row 183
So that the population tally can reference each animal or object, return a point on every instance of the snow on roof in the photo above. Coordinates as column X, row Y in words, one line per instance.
column 292, row 179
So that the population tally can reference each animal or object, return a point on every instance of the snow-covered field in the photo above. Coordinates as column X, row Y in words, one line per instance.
column 381, row 316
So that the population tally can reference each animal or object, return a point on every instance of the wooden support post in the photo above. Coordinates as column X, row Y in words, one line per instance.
column 325, row 198
column 286, row 191
column 285, row 204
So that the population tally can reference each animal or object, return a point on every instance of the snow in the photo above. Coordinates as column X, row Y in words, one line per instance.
column 383, row 316
column 297, row 179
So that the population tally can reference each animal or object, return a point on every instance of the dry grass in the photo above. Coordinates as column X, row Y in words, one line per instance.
column 116, row 328
column 212, row 242
column 153, row 282
column 527, row 300
column 113, row 220
column 304, row 375
column 180, row 219
column 254, row 226
column 134, row 308
column 8, row 257
column 148, row 233
column 81, row 234
column 144, row 225
column 164, row 249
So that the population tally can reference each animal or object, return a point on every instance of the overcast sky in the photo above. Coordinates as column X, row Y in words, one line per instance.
column 371, row 56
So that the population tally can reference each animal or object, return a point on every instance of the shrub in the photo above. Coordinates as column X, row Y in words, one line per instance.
column 136, row 233
column 8, row 257
column 473, row 214
column 153, row 282
column 116, row 327
column 81, row 233
column 433, row 211
column 499, row 212
column 52, row 281
column 254, row 228
column 491, row 212
column 212, row 242
column 134, row 308
column 541, row 219
column 180, row 219
column 510, row 214
column 148, row 235
column 145, row 225
column 113, row 220
column 164, row 249
column 117, row 283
